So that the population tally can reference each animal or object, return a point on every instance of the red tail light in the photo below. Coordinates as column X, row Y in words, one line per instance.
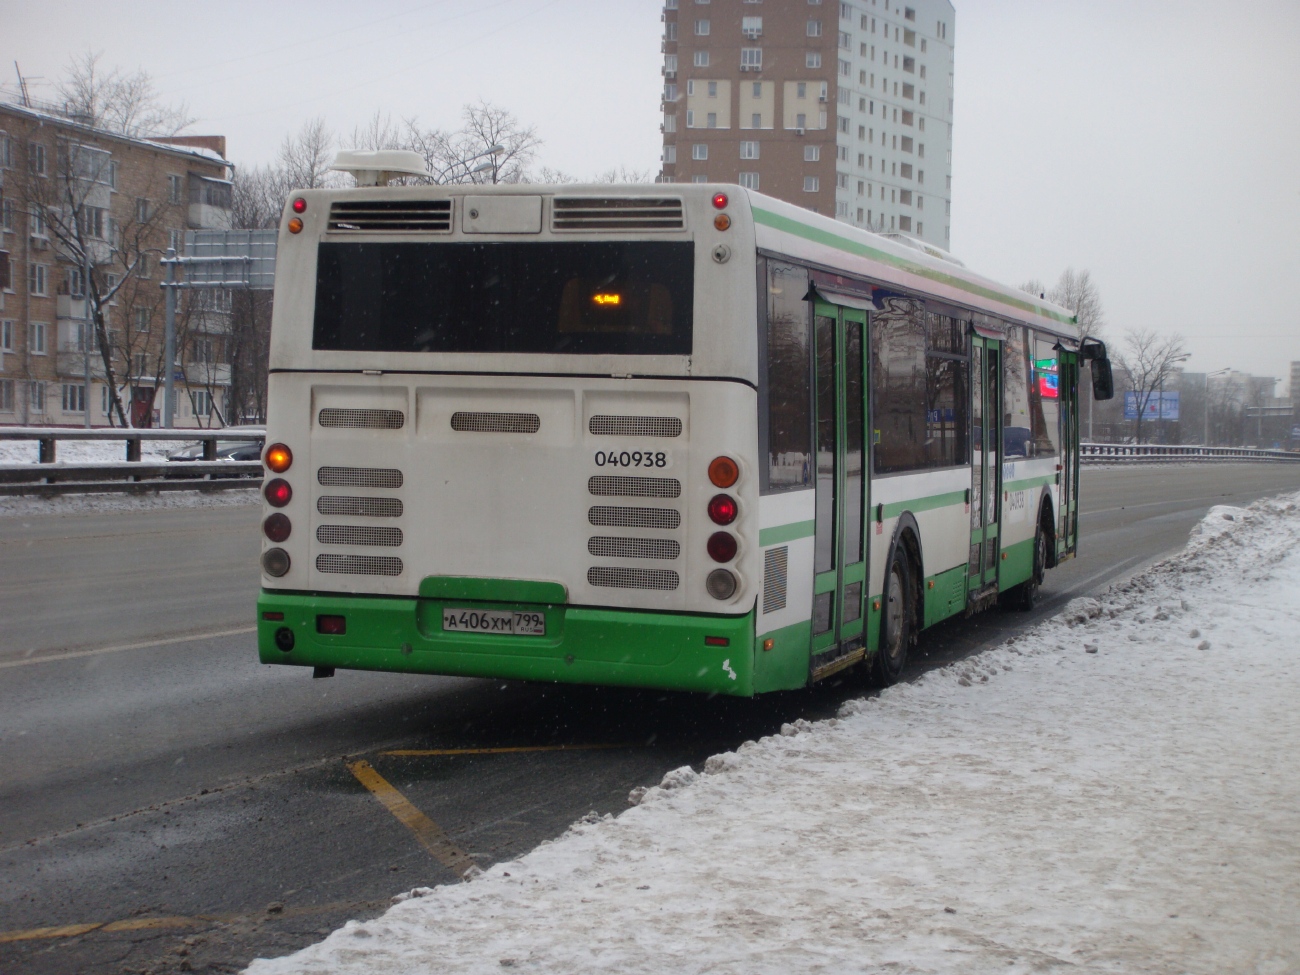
column 277, row 492
column 722, row 547
column 335, row 625
column 719, row 200
column 277, row 527
column 299, row 205
column 722, row 509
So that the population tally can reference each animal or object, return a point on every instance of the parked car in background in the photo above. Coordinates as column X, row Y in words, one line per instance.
column 226, row 450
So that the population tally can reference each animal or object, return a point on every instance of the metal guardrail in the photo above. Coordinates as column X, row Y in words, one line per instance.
column 1125, row 453
column 48, row 477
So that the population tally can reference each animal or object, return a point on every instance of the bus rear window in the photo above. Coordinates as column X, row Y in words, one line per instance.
column 576, row 298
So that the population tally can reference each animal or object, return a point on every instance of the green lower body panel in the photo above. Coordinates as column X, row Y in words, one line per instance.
column 1017, row 564
column 783, row 666
column 581, row 646
column 945, row 595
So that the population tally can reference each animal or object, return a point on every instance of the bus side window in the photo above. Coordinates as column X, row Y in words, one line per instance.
column 898, row 385
column 1045, row 397
column 789, row 389
column 1017, row 431
column 947, row 398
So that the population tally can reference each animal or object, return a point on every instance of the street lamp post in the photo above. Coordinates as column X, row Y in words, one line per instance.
column 486, row 164
column 1217, row 372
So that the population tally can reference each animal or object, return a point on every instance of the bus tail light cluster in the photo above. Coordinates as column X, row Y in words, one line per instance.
column 295, row 223
column 278, row 493
column 721, row 221
column 723, row 510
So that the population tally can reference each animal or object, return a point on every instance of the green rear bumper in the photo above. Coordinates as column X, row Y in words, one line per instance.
column 581, row 646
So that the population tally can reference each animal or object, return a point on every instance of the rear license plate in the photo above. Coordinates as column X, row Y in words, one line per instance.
column 459, row 620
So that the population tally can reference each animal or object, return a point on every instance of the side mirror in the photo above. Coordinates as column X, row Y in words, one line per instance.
column 1103, row 384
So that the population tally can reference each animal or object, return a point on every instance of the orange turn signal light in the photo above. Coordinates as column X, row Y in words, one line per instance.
column 723, row 472
column 279, row 457
column 295, row 226
column 721, row 222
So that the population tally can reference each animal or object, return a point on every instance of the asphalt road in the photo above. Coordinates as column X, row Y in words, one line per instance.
column 168, row 804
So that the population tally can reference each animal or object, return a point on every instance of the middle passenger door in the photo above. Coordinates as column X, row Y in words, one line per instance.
column 840, row 565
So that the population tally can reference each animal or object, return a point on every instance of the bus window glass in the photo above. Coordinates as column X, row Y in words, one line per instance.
column 1017, row 433
column 578, row 298
column 789, row 393
column 853, row 431
column 1045, row 397
column 898, row 385
column 946, row 399
column 824, row 550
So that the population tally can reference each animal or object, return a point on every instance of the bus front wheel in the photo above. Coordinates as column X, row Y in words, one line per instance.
column 895, row 623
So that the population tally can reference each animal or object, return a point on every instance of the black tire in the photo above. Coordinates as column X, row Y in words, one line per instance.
column 896, row 623
column 1024, row 597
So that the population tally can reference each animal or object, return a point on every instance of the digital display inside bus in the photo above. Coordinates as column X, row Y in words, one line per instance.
column 1049, row 378
column 567, row 298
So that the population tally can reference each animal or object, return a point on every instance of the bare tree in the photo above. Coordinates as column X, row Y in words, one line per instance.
column 305, row 158
column 487, row 125
column 1034, row 287
column 1149, row 359
column 116, row 101
column 1077, row 291
column 620, row 174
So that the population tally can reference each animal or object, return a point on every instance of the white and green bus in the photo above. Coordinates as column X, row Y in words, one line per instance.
column 684, row 437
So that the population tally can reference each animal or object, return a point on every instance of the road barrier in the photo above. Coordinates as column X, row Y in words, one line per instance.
column 49, row 477
column 1127, row 453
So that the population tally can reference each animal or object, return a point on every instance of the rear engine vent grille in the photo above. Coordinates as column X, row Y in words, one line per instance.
column 612, row 485
column 633, row 548
column 775, row 576
column 378, row 477
column 635, row 426
column 359, row 565
column 328, row 504
column 617, row 213
column 358, row 535
column 391, row 216
column 366, row 419
column 613, row 517
column 619, row 578
column 496, row 422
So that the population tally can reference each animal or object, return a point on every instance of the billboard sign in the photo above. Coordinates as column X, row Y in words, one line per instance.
column 1159, row 406
column 230, row 258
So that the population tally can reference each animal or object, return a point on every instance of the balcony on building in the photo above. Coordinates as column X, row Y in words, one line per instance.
column 210, row 203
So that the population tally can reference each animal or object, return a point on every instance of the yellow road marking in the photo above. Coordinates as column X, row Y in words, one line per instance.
column 151, row 923
column 502, row 751
column 72, row 655
column 429, row 833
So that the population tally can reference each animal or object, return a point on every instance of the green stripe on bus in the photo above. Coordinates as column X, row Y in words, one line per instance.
column 819, row 236
column 1029, row 482
column 925, row 504
column 786, row 533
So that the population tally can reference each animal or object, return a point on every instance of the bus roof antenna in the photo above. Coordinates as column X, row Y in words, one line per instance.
column 375, row 167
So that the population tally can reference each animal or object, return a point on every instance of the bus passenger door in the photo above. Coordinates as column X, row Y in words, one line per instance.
column 840, row 557
column 1068, row 384
column 986, row 464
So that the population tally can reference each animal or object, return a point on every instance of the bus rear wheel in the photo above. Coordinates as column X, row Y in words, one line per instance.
column 895, row 624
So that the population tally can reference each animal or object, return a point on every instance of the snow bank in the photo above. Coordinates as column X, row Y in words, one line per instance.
column 1116, row 791
column 88, row 451
column 73, row 503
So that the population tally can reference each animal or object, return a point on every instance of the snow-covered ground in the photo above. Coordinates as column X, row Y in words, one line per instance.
column 110, row 452
column 88, row 451
column 1117, row 791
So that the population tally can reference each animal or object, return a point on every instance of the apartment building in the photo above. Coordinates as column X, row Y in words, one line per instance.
column 85, row 217
column 844, row 108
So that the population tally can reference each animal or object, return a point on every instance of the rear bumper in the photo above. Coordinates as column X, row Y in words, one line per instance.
column 582, row 645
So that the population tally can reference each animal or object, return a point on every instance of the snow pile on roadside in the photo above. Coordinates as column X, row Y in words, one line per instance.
column 1115, row 791
column 68, row 504
column 88, row 451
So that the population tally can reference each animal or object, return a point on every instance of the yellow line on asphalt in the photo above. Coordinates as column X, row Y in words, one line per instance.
column 52, row 657
column 153, row 923
column 407, row 752
column 429, row 833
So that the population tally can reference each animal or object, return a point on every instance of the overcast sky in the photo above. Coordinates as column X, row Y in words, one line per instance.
column 1153, row 142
